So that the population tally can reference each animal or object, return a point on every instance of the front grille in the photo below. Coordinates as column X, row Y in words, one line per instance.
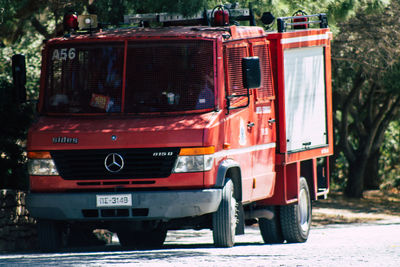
column 138, row 163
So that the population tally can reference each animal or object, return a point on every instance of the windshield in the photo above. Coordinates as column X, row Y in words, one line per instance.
column 161, row 76
column 85, row 78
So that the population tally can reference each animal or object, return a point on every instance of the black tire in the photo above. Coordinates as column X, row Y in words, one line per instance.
column 271, row 230
column 50, row 235
column 225, row 218
column 142, row 239
column 296, row 219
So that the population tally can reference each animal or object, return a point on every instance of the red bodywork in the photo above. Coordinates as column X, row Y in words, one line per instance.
column 253, row 136
column 289, row 164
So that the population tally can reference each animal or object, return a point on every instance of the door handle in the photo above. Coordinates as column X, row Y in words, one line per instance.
column 271, row 121
column 250, row 124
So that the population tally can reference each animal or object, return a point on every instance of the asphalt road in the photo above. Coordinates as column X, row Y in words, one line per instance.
column 372, row 244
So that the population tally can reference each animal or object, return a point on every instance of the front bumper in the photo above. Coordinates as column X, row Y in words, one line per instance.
column 153, row 205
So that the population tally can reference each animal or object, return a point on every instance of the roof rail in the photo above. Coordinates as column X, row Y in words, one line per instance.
column 301, row 21
column 235, row 14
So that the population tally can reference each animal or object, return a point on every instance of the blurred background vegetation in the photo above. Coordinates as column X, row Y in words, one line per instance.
column 366, row 67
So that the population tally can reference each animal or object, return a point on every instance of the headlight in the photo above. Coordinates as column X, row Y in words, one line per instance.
column 42, row 167
column 196, row 159
column 40, row 163
column 194, row 163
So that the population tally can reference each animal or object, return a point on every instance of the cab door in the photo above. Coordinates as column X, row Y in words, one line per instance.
column 264, row 126
column 239, row 133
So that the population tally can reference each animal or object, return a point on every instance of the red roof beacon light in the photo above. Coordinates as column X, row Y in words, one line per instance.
column 220, row 15
column 70, row 22
column 301, row 14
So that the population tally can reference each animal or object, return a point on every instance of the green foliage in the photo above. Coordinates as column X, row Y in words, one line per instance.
column 389, row 163
column 366, row 68
column 31, row 50
column 339, row 172
column 391, row 78
column 9, row 24
column 176, row 6
column 14, row 120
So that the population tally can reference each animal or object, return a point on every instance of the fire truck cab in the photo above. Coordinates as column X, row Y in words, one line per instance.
column 148, row 129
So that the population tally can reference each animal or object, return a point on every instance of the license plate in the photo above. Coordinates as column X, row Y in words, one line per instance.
column 114, row 200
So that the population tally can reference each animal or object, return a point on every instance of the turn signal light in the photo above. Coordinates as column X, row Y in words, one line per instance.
column 191, row 151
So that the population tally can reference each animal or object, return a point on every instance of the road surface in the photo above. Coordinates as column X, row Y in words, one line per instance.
column 370, row 244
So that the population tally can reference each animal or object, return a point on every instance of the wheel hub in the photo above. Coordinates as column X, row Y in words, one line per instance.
column 304, row 210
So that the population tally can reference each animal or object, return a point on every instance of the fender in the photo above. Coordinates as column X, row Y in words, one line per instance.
column 223, row 169
column 230, row 168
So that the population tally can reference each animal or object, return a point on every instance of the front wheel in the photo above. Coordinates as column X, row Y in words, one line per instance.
column 225, row 218
column 296, row 219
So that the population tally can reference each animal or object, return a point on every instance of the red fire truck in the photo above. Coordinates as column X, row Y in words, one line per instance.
column 148, row 129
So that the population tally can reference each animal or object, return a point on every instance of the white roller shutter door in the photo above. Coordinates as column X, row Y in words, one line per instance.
column 305, row 106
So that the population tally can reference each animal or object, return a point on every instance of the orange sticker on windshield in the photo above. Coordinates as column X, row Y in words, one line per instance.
column 99, row 101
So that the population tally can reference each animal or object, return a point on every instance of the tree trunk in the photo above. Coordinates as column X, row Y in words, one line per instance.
column 355, row 182
column 371, row 177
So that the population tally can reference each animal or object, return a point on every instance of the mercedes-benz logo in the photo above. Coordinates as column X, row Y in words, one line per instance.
column 114, row 162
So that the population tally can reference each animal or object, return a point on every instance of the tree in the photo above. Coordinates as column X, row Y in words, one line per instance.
column 14, row 120
column 25, row 23
column 46, row 16
column 389, row 162
column 366, row 68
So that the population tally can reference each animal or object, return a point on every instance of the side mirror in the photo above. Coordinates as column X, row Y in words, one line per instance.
column 251, row 79
column 19, row 77
column 251, row 72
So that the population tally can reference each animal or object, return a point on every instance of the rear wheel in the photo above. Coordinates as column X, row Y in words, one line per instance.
column 142, row 239
column 225, row 218
column 296, row 219
column 271, row 230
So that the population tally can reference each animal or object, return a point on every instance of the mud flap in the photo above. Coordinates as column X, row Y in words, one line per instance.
column 240, row 220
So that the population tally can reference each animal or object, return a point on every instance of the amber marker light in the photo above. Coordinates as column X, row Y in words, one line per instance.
column 192, row 151
column 226, row 146
column 39, row 155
